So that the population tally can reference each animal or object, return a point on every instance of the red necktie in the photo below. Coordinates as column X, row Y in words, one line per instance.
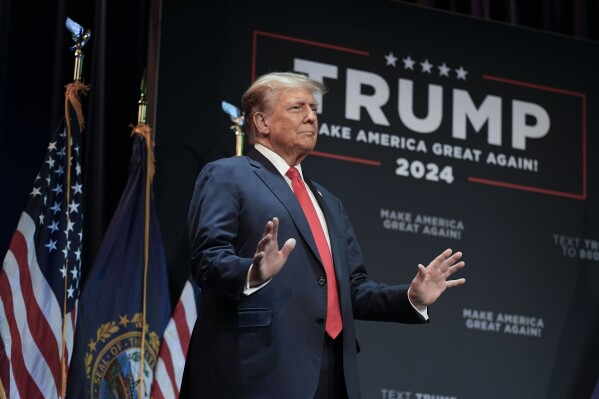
column 334, row 323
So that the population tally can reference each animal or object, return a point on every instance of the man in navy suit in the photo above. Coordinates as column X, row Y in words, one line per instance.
column 260, row 331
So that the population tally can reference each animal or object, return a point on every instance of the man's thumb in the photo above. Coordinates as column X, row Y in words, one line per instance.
column 288, row 247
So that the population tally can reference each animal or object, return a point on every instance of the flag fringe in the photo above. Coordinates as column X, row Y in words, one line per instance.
column 72, row 96
column 144, row 130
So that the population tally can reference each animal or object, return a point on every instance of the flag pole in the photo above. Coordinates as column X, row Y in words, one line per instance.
column 239, row 134
column 2, row 391
column 144, row 130
column 71, row 97
column 238, row 120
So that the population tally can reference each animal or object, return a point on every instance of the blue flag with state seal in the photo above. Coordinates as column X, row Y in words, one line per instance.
column 125, row 304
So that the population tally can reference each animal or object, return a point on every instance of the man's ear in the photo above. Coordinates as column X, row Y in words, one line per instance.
column 261, row 123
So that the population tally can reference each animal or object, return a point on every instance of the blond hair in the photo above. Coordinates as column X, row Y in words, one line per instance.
column 262, row 95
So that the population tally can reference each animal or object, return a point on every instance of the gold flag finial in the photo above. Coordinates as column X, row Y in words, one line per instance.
column 238, row 121
column 142, row 128
column 80, row 38
column 142, row 107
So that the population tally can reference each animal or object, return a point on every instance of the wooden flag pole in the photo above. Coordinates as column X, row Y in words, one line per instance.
column 239, row 134
column 71, row 97
column 144, row 131
column 238, row 120
column 2, row 391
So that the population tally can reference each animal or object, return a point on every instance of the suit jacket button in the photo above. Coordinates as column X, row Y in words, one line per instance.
column 321, row 281
column 320, row 320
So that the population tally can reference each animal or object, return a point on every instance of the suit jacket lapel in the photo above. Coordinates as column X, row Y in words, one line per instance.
column 279, row 187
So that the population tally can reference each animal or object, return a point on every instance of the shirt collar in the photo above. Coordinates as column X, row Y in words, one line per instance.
column 276, row 160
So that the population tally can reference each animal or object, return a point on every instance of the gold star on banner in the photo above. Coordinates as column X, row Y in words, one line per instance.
column 123, row 320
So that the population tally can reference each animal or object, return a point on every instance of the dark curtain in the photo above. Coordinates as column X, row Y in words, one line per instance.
column 33, row 73
column 117, row 62
column 35, row 65
column 576, row 18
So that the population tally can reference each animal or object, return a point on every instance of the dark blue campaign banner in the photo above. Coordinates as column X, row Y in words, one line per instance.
column 438, row 131
column 449, row 116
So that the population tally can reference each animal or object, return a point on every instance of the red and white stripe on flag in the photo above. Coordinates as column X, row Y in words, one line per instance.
column 173, row 349
column 31, row 332
column 40, row 275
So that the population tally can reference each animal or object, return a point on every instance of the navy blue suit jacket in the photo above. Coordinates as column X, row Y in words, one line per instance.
column 269, row 344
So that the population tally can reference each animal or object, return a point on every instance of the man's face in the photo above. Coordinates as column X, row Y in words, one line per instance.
column 293, row 125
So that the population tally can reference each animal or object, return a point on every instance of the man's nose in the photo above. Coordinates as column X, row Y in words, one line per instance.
column 310, row 114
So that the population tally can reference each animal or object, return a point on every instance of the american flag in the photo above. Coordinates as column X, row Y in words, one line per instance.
column 39, row 279
column 175, row 341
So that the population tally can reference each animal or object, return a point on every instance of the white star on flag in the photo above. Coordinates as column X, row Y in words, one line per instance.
column 51, row 245
column 36, row 191
column 55, row 207
column 77, row 188
column 74, row 207
column 53, row 226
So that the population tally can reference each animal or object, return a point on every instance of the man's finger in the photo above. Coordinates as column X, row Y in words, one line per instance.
column 263, row 242
column 443, row 256
column 258, row 259
column 275, row 228
column 453, row 283
column 455, row 257
column 288, row 247
column 457, row 266
column 275, row 225
column 268, row 228
column 421, row 270
column 446, row 253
